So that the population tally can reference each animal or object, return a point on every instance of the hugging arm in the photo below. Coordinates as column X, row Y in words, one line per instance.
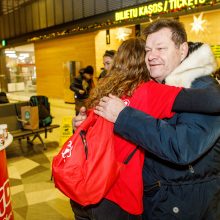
column 180, row 140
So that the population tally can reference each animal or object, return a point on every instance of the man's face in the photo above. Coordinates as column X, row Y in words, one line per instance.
column 162, row 55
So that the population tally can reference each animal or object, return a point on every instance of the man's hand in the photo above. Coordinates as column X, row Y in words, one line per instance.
column 78, row 120
column 110, row 107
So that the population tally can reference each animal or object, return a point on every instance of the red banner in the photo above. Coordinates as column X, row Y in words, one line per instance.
column 5, row 201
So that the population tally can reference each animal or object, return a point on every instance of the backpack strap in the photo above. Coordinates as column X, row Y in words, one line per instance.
column 83, row 137
column 82, row 134
column 130, row 155
column 34, row 101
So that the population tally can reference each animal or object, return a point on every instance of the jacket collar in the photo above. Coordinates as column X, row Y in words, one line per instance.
column 200, row 62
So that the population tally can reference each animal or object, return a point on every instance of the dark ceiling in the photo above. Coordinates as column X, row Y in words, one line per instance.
column 7, row 6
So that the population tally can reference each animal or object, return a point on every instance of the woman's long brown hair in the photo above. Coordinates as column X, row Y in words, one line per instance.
column 127, row 72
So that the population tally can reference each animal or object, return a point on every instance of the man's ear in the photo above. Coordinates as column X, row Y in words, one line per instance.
column 184, row 50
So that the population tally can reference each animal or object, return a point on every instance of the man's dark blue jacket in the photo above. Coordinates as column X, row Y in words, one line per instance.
column 182, row 165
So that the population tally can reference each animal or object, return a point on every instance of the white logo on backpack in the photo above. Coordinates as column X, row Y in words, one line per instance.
column 67, row 152
column 126, row 101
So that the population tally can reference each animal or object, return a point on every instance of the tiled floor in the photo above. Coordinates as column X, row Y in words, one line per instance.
column 33, row 194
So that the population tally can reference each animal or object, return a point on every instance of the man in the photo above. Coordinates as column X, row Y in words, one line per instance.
column 81, row 86
column 182, row 165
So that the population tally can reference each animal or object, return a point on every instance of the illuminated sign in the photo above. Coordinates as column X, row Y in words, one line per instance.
column 156, row 7
column 3, row 43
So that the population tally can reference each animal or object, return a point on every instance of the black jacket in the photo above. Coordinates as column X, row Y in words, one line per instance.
column 78, row 85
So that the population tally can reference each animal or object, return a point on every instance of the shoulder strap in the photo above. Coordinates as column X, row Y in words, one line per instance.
column 130, row 155
column 34, row 101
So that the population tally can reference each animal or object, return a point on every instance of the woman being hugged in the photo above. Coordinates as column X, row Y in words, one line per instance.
column 128, row 79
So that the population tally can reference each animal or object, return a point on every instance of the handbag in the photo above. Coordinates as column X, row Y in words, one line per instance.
column 29, row 117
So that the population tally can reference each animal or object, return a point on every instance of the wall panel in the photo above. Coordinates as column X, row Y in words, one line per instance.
column 42, row 13
column 50, row 13
column 114, row 5
column 51, row 56
column 29, row 19
column 211, row 26
column 6, row 26
column 126, row 3
column 11, row 25
column 23, row 24
column 101, row 45
column 142, row 1
column 59, row 11
column 35, row 17
column 1, row 28
column 100, row 6
column 89, row 8
column 68, row 9
column 77, row 9
column 17, row 23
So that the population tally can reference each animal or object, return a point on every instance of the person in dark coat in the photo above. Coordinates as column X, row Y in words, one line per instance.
column 182, row 165
column 81, row 86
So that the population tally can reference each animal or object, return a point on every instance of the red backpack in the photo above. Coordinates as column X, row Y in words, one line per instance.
column 85, row 168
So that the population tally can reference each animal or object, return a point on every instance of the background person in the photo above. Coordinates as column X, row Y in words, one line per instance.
column 107, row 62
column 81, row 86
column 182, row 166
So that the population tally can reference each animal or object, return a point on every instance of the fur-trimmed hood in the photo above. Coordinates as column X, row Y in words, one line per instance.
column 200, row 62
